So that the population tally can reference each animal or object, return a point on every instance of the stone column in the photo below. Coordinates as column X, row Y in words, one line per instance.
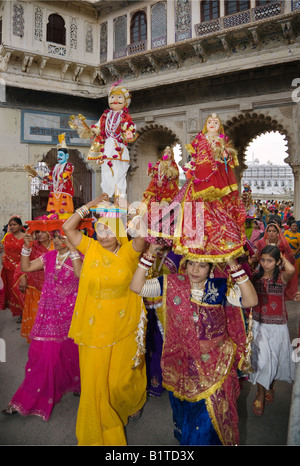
column 296, row 172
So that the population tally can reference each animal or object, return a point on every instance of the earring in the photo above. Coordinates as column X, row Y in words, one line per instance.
column 211, row 273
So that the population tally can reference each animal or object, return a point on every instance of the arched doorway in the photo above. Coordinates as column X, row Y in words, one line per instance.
column 267, row 173
column 82, row 181
column 148, row 148
column 242, row 129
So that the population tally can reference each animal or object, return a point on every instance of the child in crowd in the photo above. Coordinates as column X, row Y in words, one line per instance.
column 272, row 350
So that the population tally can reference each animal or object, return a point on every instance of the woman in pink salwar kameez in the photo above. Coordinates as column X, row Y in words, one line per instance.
column 53, row 363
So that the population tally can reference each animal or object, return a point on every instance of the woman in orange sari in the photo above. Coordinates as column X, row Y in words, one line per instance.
column 12, row 243
column 28, row 286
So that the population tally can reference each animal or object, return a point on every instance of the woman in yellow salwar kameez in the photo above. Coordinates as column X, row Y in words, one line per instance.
column 105, row 326
column 292, row 236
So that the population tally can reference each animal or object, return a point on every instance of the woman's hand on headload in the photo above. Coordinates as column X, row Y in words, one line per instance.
column 103, row 197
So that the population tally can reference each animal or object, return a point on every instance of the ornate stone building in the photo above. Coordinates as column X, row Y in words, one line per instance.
column 268, row 181
column 181, row 59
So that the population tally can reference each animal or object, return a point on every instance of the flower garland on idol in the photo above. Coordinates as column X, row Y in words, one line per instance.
column 110, row 129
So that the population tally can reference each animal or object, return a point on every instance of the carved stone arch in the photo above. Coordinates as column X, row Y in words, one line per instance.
column 152, row 140
column 242, row 129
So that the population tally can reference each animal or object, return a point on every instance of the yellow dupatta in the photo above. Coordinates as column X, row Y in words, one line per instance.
column 106, row 310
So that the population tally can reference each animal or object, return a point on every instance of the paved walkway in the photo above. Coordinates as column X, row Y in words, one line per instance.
column 153, row 428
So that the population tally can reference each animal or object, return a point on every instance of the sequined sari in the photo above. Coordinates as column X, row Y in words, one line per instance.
column 53, row 366
column 167, row 264
column 105, row 325
column 200, row 357
column 30, row 299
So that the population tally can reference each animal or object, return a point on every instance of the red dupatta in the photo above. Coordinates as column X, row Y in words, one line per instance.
column 285, row 249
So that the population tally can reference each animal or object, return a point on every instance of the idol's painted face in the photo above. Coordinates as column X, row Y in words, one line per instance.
column 213, row 125
column 197, row 271
column 62, row 157
column 167, row 153
column 117, row 101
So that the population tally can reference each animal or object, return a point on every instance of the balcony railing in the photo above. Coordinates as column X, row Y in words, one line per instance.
column 238, row 19
column 137, row 47
column 56, row 49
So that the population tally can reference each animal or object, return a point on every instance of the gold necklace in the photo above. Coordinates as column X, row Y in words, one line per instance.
column 59, row 262
column 197, row 291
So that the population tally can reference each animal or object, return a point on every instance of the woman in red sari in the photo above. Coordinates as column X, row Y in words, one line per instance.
column 274, row 237
column 12, row 243
column 28, row 286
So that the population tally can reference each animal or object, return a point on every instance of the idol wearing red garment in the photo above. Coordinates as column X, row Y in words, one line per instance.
column 207, row 215
column 165, row 176
column 163, row 186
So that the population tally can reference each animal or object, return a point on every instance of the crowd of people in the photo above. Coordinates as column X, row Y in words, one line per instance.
column 125, row 313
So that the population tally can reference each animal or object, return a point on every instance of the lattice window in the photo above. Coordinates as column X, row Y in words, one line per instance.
column 103, row 42
column 266, row 11
column 73, row 33
column 210, row 9
column 89, row 40
column 183, row 19
column 159, row 25
column 18, row 20
column 296, row 5
column 56, row 31
column 120, row 35
column 38, row 24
